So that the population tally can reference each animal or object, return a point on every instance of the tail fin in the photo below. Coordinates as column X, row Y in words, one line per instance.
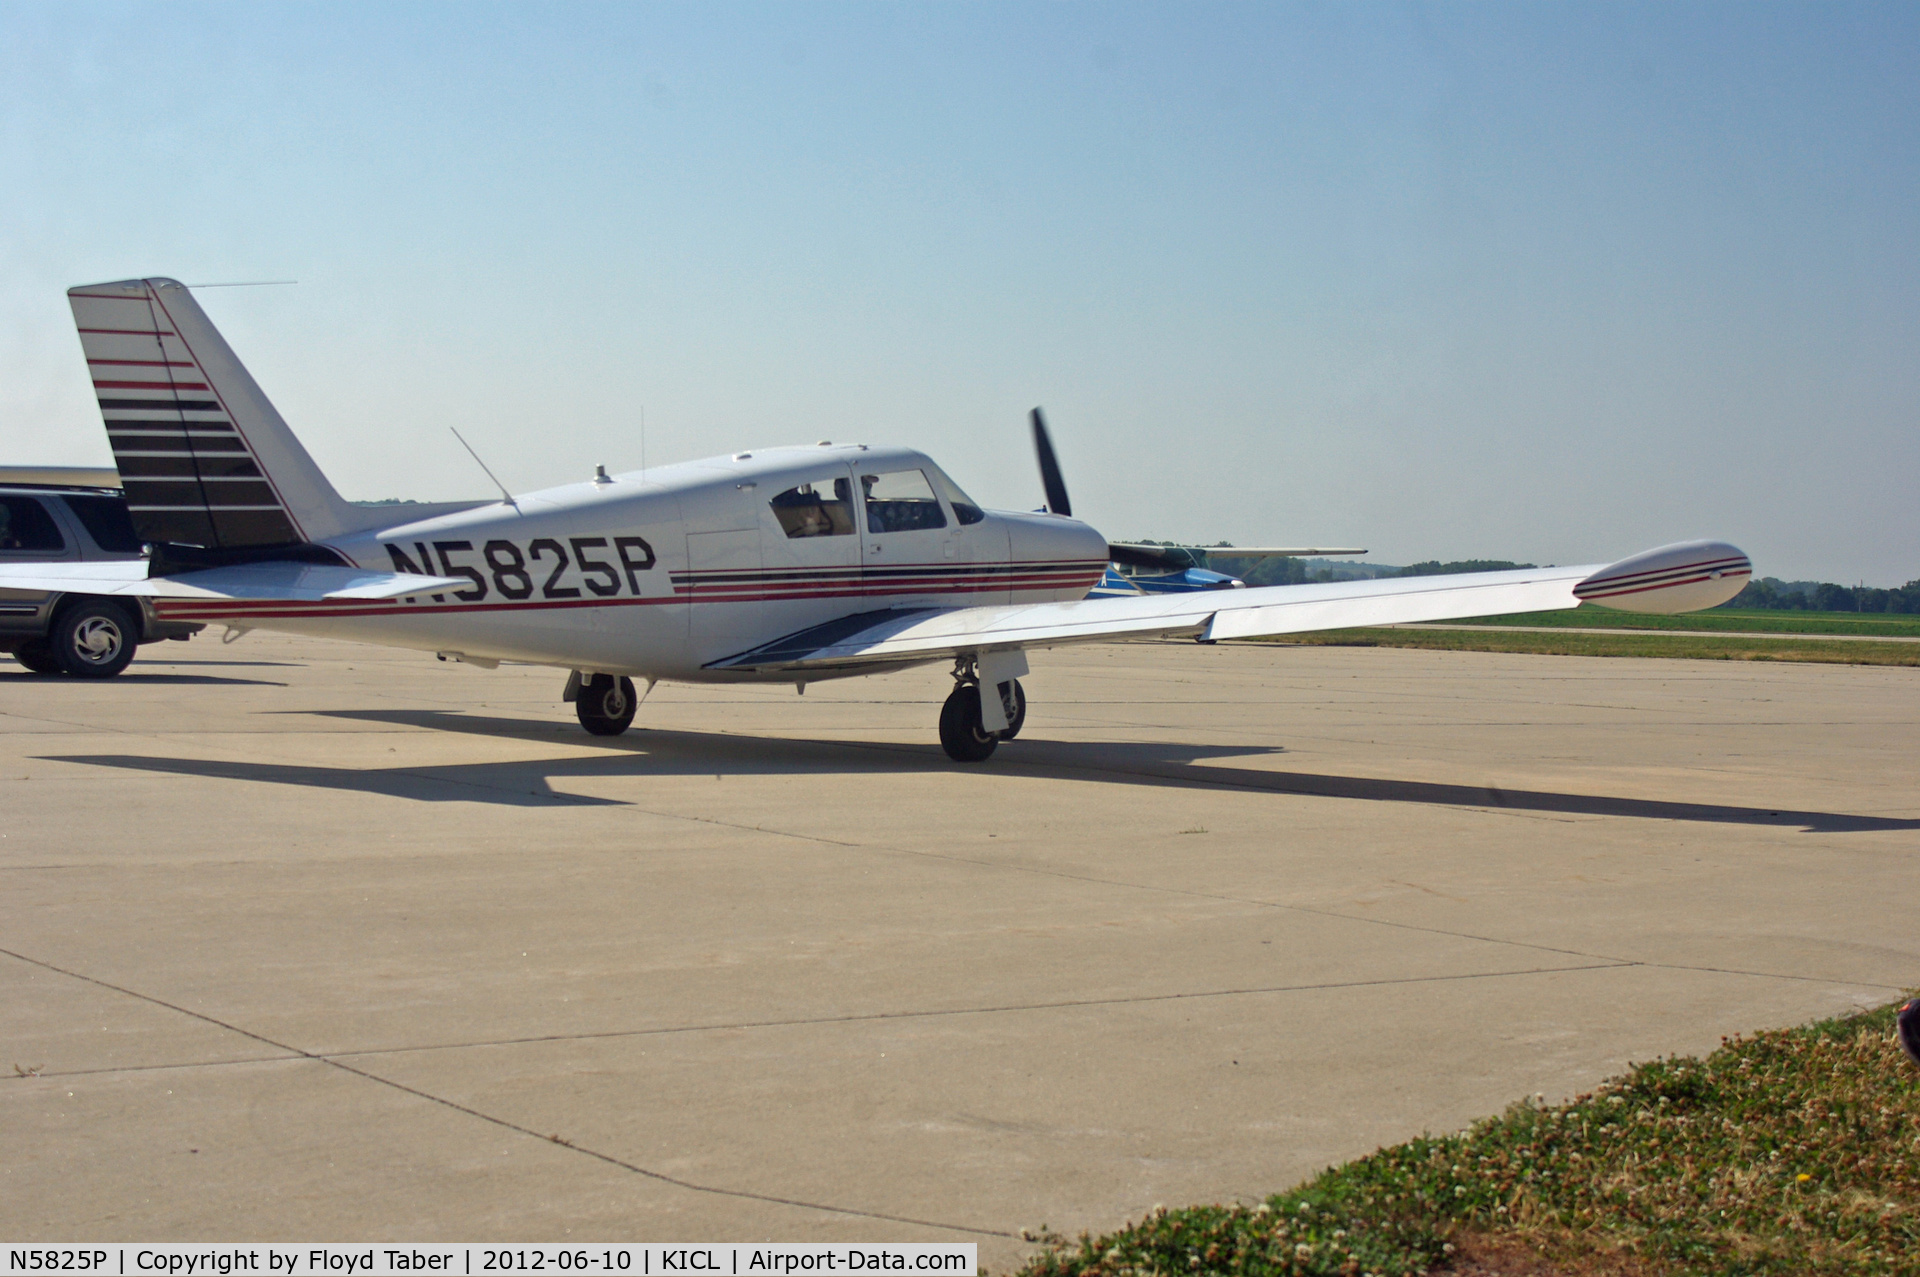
column 203, row 456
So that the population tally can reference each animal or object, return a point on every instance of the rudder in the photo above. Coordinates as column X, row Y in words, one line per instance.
column 204, row 457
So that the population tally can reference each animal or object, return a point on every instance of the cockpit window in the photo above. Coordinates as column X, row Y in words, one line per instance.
column 963, row 507
column 820, row 509
column 901, row 501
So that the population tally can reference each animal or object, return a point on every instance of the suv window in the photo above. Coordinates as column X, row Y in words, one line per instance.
column 107, row 522
column 901, row 501
column 26, row 525
column 816, row 509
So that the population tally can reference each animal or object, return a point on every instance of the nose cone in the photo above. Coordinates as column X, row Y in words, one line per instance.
column 1053, row 557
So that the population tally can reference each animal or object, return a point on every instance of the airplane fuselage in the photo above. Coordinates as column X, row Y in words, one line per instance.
column 657, row 574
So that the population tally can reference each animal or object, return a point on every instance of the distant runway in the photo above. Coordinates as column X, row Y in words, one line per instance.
column 311, row 941
column 1797, row 636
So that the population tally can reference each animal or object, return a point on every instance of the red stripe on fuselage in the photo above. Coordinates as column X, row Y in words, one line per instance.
column 246, row 609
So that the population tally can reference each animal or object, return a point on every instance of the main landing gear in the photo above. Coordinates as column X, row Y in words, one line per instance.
column 604, row 703
column 964, row 720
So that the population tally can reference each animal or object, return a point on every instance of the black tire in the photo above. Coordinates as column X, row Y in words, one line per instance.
column 93, row 640
column 606, row 704
column 960, row 732
column 37, row 657
column 1908, row 1027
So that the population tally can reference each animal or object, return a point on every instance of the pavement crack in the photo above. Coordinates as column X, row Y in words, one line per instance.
column 609, row 1159
column 1010, row 1008
column 1065, row 1004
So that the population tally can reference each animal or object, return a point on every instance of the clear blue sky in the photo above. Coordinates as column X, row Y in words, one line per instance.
column 1544, row 281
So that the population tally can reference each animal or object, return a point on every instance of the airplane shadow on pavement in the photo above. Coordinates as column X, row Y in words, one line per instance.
column 655, row 752
column 158, row 680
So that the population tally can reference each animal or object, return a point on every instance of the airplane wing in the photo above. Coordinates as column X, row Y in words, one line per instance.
column 272, row 582
column 1676, row 578
column 1245, row 551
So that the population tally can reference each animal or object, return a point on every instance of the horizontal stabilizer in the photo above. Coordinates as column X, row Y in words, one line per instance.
column 260, row 582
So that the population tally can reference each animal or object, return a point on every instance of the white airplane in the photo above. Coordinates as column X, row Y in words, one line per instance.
column 785, row 565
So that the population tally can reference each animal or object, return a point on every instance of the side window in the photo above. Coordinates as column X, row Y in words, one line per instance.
column 901, row 501
column 107, row 522
column 26, row 525
column 816, row 509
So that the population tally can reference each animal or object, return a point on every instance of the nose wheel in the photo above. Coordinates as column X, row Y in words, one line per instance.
column 606, row 704
column 962, row 734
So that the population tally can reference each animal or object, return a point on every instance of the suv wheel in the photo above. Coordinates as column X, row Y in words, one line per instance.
column 93, row 640
column 37, row 657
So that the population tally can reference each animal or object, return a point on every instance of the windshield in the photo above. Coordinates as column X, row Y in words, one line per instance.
column 964, row 508
column 901, row 501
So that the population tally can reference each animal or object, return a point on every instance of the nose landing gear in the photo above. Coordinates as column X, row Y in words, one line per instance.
column 964, row 733
column 604, row 704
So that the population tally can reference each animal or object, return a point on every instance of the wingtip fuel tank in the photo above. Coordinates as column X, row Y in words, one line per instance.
column 1684, row 577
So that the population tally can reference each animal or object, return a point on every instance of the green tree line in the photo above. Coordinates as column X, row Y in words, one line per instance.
column 1824, row 596
column 1767, row 593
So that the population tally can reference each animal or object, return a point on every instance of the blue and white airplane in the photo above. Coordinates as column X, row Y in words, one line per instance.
column 1142, row 568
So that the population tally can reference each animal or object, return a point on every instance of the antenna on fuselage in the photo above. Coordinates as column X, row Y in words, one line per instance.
column 504, row 494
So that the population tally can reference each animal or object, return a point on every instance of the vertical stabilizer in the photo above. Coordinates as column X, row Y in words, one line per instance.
column 203, row 455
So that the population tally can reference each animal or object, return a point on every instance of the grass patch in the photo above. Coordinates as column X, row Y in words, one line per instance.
column 1789, row 1152
column 1745, row 620
column 1678, row 646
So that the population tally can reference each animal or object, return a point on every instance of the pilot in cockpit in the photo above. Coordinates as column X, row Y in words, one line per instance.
column 811, row 521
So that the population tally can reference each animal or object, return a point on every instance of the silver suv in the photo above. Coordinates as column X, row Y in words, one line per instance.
column 87, row 636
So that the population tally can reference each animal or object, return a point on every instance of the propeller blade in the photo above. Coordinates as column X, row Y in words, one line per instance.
column 1142, row 556
column 1050, row 479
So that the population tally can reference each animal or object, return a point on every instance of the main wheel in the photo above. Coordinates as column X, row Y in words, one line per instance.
column 93, row 640
column 1019, row 715
column 606, row 704
column 37, row 657
column 960, row 732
